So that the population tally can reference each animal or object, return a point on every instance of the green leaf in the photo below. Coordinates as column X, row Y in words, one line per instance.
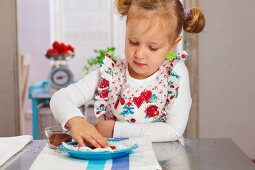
column 99, row 57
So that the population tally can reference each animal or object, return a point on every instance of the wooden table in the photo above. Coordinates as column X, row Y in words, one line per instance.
column 194, row 154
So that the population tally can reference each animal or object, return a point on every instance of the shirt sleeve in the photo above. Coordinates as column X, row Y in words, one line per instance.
column 65, row 102
column 176, row 123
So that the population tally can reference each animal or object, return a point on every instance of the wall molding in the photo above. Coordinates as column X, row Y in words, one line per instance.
column 191, row 46
column 9, row 70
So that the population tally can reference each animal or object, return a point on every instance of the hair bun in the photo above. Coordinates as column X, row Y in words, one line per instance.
column 194, row 21
column 123, row 6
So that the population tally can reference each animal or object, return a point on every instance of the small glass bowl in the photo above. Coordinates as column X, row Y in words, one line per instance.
column 56, row 135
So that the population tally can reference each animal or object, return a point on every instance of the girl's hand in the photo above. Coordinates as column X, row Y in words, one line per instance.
column 105, row 127
column 83, row 132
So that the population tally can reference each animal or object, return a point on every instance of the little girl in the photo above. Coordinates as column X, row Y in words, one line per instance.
column 148, row 92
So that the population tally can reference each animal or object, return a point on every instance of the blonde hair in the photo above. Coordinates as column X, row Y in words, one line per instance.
column 193, row 22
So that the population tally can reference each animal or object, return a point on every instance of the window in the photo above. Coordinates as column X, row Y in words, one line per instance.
column 87, row 25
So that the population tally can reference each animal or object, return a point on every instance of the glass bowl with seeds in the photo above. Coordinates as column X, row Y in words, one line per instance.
column 56, row 135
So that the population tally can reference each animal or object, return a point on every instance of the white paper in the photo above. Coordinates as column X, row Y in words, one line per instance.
column 9, row 146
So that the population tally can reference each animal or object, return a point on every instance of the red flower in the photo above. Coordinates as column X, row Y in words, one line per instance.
column 116, row 104
column 152, row 111
column 114, row 118
column 104, row 94
column 183, row 56
column 171, row 97
column 105, row 117
column 132, row 120
column 146, row 95
column 122, row 101
column 104, row 83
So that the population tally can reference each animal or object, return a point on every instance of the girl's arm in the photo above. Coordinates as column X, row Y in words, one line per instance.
column 65, row 102
column 171, row 130
column 64, row 105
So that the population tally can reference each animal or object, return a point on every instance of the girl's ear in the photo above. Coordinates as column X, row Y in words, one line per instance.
column 175, row 43
column 177, row 40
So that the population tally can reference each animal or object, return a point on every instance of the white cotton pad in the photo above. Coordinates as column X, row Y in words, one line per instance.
column 115, row 146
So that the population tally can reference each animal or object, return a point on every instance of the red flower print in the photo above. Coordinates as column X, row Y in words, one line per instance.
column 98, row 112
column 114, row 118
column 116, row 104
column 132, row 120
column 152, row 111
column 105, row 117
column 108, row 55
column 129, row 104
column 138, row 101
column 171, row 97
column 183, row 56
column 122, row 101
column 104, row 83
column 146, row 95
column 104, row 94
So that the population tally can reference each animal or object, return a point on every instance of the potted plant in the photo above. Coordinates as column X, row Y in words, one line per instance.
column 94, row 62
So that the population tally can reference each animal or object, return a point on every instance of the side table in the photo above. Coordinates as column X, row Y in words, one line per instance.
column 40, row 93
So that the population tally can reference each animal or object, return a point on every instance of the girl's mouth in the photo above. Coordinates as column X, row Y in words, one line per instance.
column 139, row 64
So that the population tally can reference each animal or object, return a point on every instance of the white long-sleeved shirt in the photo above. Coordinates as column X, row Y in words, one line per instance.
column 65, row 102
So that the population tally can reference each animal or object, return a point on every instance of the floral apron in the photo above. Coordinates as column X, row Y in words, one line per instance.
column 113, row 100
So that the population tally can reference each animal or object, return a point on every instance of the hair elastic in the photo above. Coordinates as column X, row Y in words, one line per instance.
column 171, row 56
column 182, row 55
column 186, row 12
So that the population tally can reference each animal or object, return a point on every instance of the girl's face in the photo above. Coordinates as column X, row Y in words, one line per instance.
column 146, row 50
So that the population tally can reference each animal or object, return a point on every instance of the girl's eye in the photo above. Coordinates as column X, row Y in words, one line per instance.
column 153, row 49
column 133, row 42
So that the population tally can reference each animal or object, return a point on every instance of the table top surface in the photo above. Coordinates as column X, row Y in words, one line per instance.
column 193, row 154
column 41, row 90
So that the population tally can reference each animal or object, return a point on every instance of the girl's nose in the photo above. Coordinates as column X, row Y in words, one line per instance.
column 139, row 54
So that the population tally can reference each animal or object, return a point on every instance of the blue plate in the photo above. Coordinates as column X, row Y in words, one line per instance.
column 98, row 155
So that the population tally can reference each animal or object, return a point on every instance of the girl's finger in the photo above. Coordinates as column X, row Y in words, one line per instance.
column 79, row 140
column 102, row 141
column 93, row 142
